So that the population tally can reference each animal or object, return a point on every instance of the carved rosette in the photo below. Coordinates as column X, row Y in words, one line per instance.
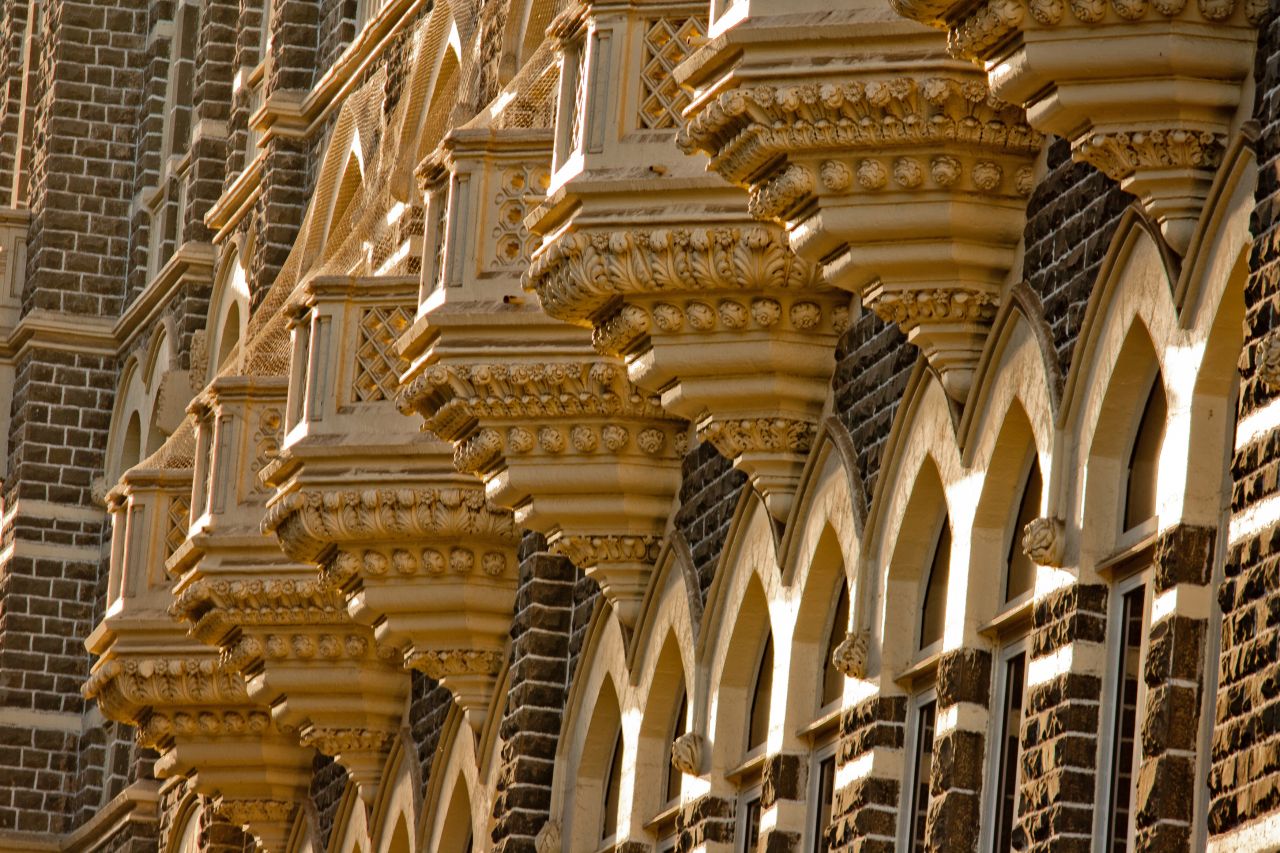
column 197, row 713
column 304, row 657
column 734, row 331
column 1144, row 89
column 573, row 447
column 430, row 569
column 908, row 189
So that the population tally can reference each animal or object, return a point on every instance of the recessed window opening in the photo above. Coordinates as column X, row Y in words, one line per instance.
column 921, row 770
column 1010, row 725
column 678, row 727
column 612, row 791
column 1144, row 458
column 1021, row 576
column 833, row 678
column 1124, row 751
column 934, row 608
column 761, row 699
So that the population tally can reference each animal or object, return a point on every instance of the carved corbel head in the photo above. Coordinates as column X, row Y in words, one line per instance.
column 688, row 752
column 851, row 655
column 1044, row 541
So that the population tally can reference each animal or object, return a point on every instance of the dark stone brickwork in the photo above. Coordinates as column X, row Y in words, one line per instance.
column 708, row 819
column 955, row 784
column 13, row 26
column 429, row 705
column 328, row 781
column 1244, row 780
column 873, row 366
column 538, row 686
column 864, row 817
column 709, row 492
column 1071, row 218
column 337, row 29
column 1060, row 727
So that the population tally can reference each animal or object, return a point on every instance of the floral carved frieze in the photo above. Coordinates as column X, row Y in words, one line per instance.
column 310, row 522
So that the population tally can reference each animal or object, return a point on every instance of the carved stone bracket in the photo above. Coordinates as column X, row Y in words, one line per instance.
column 735, row 332
column 904, row 182
column 1044, row 540
column 688, row 752
column 851, row 655
column 578, row 452
column 1144, row 89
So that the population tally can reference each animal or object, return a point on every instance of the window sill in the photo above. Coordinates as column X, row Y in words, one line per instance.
column 1137, row 547
column 750, row 769
column 827, row 724
column 1015, row 618
column 664, row 822
column 924, row 666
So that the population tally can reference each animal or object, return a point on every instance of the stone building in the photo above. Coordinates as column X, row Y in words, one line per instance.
column 557, row 426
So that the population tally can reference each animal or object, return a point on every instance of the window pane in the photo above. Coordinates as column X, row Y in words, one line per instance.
column 934, row 616
column 1010, row 726
column 1022, row 572
column 826, row 795
column 1126, row 722
column 751, row 833
column 923, row 770
column 612, row 785
column 1144, row 459
column 758, row 730
column 832, row 678
column 672, row 790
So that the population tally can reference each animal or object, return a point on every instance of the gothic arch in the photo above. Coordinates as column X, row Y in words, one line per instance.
column 228, row 320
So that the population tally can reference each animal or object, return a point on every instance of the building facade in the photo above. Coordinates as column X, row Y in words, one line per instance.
column 558, row 426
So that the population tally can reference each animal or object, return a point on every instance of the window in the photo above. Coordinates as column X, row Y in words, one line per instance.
column 748, row 830
column 761, row 699
column 833, row 678
column 1021, row 576
column 1124, row 742
column 934, row 609
column 678, row 727
column 1144, row 459
column 182, row 57
column 822, row 794
column 919, row 772
column 612, row 789
column 1010, row 685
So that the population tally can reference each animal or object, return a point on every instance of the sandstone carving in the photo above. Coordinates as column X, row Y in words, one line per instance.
column 1044, row 541
column 687, row 752
column 850, row 656
column 1267, row 360
column 548, row 838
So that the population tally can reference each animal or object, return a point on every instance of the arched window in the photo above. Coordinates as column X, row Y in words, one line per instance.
column 1144, row 459
column 131, row 447
column 612, row 791
column 189, row 839
column 761, row 699
column 833, row 678
column 230, row 336
column 678, row 727
column 934, row 607
column 1021, row 576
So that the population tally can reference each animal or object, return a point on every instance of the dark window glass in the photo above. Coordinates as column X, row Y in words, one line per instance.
column 923, row 769
column 832, row 678
column 826, row 795
column 934, row 611
column 751, row 835
column 1125, row 740
column 612, row 785
column 1144, row 459
column 1010, row 726
column 677, row 729
column 1022, row 572
column 762, row 698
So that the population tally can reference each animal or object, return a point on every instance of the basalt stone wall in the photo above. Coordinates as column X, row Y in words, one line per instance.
column 328, row 781
column 429, row 705
column 538, row 680
column 1071, row 218
column 709, row 493
column 1244, row 781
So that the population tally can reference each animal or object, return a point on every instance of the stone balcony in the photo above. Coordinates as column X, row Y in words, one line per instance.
column 889, row 164
column 553, row 428
column 150, row 673
column 709, row 309
column 1146, row 92
column 407, row 544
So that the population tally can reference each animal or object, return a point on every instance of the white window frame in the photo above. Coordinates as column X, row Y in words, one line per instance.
column 1119, row 588
column 827, row 748
column 991, row 805
column 746, row 796
column 916, row 702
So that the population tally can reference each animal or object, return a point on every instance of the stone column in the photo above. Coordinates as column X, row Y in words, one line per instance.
column 865, row 816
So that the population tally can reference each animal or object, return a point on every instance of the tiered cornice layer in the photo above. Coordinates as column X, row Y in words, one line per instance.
column 892, row 167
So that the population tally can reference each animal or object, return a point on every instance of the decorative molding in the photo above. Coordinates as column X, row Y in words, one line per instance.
column 688, row 752
column 851, row 655
column 1044, row 541
column 442, row 663
column 548, row 839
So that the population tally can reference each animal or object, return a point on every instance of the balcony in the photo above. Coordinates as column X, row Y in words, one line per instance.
column 890, row 165
column 709, row 310
column 189, row 706
column 401, row 540
column 1145, row 92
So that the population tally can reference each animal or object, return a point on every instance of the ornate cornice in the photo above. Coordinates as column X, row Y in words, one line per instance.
column 440, row 664
column 580, row 272
column 128, row 689
column 747, row 128
column 309, row 523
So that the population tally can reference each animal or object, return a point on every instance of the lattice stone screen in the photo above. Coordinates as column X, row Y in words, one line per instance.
column 377, row 364
column 667, row 42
